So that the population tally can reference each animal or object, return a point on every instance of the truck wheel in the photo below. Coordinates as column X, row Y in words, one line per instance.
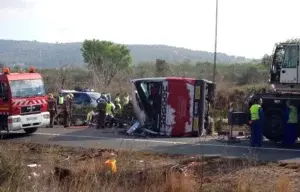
column 30, row 130
column 273, row 125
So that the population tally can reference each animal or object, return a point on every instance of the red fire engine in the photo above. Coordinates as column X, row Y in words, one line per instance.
column 23, row 102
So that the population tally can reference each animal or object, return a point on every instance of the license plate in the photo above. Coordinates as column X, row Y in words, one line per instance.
column 31, row 118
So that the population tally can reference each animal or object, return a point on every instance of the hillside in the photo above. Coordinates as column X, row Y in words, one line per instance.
column 51, row 55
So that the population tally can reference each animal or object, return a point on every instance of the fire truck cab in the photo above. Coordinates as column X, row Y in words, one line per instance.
column 23, row 101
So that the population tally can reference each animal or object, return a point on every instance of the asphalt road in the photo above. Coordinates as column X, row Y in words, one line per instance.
column 109, row 138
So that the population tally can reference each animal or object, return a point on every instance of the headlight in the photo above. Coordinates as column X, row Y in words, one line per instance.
column 46, row 116
column 16, row 120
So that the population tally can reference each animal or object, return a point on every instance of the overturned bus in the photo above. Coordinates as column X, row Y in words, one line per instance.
column 173, row 106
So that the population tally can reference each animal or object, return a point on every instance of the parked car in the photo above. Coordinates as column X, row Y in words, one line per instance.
column 83, row 98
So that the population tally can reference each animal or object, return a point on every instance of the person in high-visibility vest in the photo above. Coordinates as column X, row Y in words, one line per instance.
column 256, row 123
column 60, row 99
column 291, row 122
column 109, row 112
column 125, row 99
column 117, row 98
column 89, row 117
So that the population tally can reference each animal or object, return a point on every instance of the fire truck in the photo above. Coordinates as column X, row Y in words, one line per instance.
column 172, row 106
column 285, row 85
column 23, row 102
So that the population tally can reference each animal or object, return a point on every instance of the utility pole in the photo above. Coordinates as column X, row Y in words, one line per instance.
column 216, row 40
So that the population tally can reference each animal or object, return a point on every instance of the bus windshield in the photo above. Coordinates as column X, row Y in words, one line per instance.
column 27, row 87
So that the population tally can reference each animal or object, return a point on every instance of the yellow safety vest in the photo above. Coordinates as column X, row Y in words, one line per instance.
column 293, row 115
column 89, row 116
column 117, row 100
column 254, row 111
column 126, row 100
column 108, row 109
column 60, row 100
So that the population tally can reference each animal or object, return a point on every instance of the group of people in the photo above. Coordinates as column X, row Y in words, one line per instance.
column 65, row 102
column 107, row 110
column 257, row 119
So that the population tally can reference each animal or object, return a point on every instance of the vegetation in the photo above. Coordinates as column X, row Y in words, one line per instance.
column 108, row 69
column 32, row 167
column 105, row 58
column 51, row 55
column 234, row 82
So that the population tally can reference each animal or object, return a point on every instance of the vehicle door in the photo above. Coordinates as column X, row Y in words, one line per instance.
column 4, row 99
column 289, row 70
column 77, row 101
column 86, row 100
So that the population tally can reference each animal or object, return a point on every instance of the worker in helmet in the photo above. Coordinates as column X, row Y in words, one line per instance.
column 290, row 124
column 126, row 99
column 89, row 117
column 117, row 98
column 256, row 122
column 52, row 108
column 66, row 110
column 71, row 97
column 118, row 107
column 109, row 112
column 102, row 101
column 118, row 110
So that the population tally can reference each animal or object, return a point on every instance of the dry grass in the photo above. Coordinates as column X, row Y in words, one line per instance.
column 67, row 169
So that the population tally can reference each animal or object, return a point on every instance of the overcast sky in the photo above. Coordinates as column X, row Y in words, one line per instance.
column 246, row 27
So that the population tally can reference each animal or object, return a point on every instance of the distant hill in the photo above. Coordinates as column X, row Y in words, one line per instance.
column 51, row 55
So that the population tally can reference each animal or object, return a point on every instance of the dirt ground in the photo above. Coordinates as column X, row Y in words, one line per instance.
column 32, row 167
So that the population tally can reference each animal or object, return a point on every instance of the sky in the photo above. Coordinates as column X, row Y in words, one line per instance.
column 247, row 28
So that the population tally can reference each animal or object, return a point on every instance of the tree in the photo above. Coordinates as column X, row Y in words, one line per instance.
column 267, row 59
column 105, row 58
column 161, row 68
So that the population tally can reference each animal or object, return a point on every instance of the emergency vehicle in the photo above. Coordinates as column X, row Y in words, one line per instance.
column 173, row 106
column 23, row 101
column 285, row 83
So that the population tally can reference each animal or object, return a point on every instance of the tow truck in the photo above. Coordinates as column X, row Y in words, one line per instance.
column 23, row 102
column 285, row 85
column 172, row 106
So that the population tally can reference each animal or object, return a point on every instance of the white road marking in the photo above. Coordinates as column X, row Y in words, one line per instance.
column 126, row 139
column 166, row 142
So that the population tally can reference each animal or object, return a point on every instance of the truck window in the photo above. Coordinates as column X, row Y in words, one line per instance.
column 290, row 57
column 27, row 88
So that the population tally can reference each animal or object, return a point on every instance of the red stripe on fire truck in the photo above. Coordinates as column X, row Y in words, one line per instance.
column 33, row 102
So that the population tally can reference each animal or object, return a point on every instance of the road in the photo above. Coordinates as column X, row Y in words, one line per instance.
column 108, row 138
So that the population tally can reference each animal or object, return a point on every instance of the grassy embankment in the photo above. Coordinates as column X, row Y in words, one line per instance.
column 67, row 169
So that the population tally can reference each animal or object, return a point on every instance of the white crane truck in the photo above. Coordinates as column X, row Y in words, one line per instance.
column 285, row 82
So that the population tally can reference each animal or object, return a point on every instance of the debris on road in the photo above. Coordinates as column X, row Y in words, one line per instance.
column 33, row 165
